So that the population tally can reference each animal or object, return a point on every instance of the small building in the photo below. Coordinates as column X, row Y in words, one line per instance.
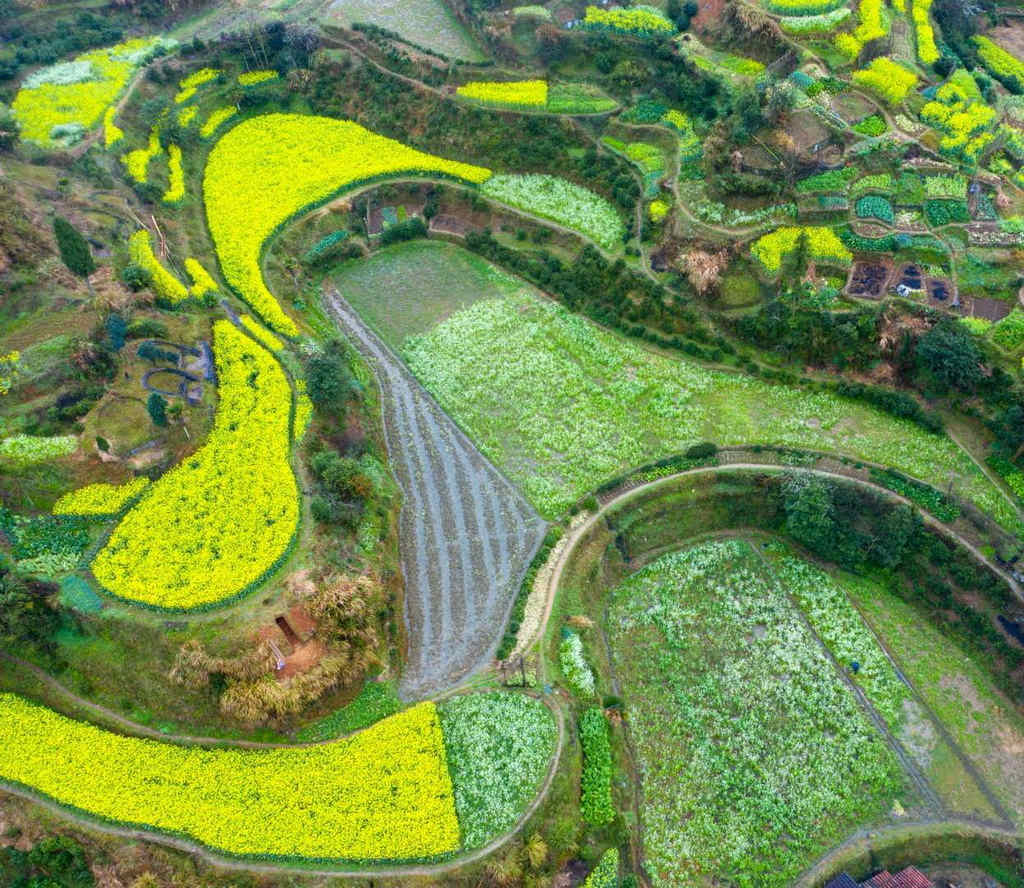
column 911, row 877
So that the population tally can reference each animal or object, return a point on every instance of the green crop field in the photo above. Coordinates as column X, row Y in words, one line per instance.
column 563, row 405
column 405, row 289
column 424, row 22
column 753, row 753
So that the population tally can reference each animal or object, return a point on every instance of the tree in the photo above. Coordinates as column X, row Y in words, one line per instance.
column 948, row 354
column 117, row 331
column 329, row 381
column 809, row 513
column 1009, row 428
column 74, row 251
column 27, row 613
column 157, row 408
column 552, row 43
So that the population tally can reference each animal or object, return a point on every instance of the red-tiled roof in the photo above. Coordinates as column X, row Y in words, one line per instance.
column 911, row 877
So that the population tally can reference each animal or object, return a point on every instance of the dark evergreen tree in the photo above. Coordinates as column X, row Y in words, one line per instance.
column 74, row 250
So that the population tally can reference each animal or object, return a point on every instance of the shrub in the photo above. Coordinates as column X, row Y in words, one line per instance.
column 596, row 802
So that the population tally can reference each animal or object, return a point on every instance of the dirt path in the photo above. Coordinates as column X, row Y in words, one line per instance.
column 630, row 492
column 466, row 534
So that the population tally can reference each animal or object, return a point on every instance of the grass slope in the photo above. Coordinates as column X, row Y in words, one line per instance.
column 424, row 22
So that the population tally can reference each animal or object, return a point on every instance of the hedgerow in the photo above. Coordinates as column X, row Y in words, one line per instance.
column 218, row 522
column 596, row 802
column 267, row 169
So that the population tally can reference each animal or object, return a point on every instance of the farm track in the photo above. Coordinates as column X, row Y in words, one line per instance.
column 467, row 536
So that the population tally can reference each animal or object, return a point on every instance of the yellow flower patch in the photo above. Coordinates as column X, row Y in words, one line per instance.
column 99, row 499
column 176, row 176
column 137, row 162
column 383, row 794
column 822, row 246
column 202, row 280
column 261, row 334
column 522, row 93
column 112, row 133
column 165, row 284
column 251, row 78
column 269, row 168
column 39, row 109
column 222, row 519
column 216, row 120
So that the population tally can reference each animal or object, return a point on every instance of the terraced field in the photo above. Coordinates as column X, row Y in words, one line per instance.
column 467, row 535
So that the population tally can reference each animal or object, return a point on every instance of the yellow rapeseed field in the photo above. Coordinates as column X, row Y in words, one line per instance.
column 223, row 518
column 268, row 168
column 99, row 499
column 383, row 794
column 525, row 93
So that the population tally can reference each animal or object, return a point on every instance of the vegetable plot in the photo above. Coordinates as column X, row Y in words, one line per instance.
column 562, row 202
column 222, row 519
column 269, row 168
column 755, row 756
column 466, row 534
